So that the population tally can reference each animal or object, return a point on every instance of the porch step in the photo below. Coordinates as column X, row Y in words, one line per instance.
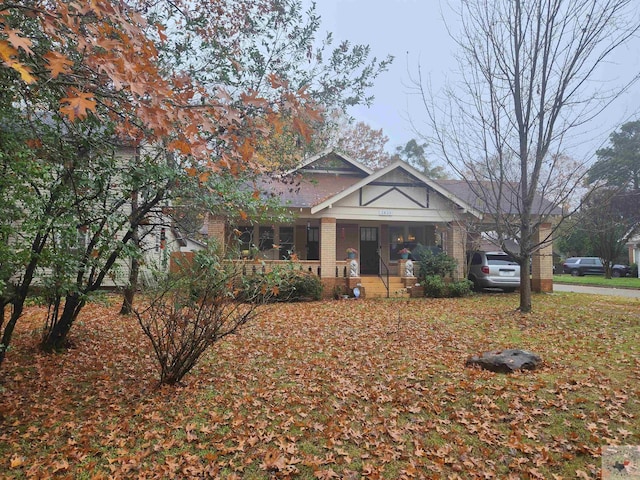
column 374, row 287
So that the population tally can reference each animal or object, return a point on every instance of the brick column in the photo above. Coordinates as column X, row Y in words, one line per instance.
column 455, row 247
column 216, row 230
column 542, row 261
column 328, row 247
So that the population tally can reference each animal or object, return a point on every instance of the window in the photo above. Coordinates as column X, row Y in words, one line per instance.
column 368, row 234
column 313, row 243
column 286, row 242
column 404, row 237
column 245, row 239
column 266, row 238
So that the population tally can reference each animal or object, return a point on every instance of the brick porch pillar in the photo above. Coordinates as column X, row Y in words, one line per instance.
column 216, row 230
column 542, row 261
column 327, row 247
column 455, row 247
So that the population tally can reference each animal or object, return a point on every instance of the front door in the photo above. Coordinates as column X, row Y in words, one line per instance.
column 369, row 264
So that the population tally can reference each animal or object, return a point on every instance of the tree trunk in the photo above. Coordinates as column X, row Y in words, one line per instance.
column 56, row 338
column 130, row 291
column 7, row 333
column 525, row 288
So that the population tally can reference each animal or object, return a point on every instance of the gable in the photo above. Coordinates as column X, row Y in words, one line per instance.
column 398, row 188
column 331, row 163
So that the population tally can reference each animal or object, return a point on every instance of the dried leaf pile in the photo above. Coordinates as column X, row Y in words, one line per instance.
column 336, row 389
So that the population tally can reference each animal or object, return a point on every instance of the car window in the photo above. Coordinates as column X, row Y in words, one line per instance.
column 500, row 260
column 588, row 261
column 476, row 260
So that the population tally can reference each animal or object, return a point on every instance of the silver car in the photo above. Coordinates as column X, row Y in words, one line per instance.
column 494, row 270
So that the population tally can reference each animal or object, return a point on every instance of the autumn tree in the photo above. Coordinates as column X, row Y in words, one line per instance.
column 59, row 82
column 527, row 70
column 362, row 143
column 97, row 77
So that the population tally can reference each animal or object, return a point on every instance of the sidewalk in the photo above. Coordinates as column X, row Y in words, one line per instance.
column 619, row 292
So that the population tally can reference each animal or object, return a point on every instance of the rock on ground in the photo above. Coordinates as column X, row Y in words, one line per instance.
column 506, row 361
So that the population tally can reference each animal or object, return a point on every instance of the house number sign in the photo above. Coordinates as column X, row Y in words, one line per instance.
column 385, row 213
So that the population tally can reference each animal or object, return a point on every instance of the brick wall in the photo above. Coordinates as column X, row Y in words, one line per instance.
column 328, row 247
column 542, row 262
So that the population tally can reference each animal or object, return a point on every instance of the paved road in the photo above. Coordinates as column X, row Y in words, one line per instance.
column 620, row 292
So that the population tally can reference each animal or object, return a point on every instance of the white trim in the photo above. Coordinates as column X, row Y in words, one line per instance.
column 326, row 152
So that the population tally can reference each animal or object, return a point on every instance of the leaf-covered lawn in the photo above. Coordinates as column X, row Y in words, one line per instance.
column 336, row 389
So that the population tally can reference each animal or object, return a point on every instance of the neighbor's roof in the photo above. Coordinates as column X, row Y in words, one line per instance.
column 483, row 198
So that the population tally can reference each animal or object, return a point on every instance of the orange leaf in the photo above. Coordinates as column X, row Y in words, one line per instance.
column 24, row 71
column 16, row 461
column 58, row 63
column 78, row 106
column 17, row 41
column 204, row 176
column 246, row 150
column 181, row 146
column 7, row 52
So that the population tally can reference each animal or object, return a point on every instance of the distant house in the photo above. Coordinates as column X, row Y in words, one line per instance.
column 633, row 245
column 340, row 204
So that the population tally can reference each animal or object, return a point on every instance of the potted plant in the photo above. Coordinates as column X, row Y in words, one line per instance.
column 351, row 252
column 404, row 253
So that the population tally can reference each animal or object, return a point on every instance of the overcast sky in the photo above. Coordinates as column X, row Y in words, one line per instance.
column 413, row 31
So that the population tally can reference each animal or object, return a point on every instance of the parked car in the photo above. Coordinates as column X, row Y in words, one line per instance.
column 494, row 270
column 579, row 266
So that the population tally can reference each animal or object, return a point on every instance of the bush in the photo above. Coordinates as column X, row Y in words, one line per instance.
column 282, row 284
column 633, row 270
column 439, row 263
column 299, row 287
column 191, row 309
column 434, row 286
column 462, row 288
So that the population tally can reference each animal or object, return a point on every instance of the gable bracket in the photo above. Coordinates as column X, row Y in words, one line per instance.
column 425, row 205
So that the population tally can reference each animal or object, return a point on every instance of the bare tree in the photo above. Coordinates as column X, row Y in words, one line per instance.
column 528, row 82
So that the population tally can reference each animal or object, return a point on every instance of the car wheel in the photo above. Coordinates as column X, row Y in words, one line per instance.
column 575, row 272
column 616, row 274
column 476, row 285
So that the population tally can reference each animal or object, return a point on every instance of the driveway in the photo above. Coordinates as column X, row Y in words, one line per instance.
column 619, row 292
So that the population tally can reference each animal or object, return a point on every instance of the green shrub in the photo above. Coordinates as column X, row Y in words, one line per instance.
column 439, row 263
column 283, row 284
column 462, row 288
column 434, row 286
column 300, row 286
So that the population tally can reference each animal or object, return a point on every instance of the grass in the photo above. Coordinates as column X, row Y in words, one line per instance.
column 598, row 281
column 333, row 390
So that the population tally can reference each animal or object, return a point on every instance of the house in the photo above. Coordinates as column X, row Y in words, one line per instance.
column 339, row 203
column 633, row 245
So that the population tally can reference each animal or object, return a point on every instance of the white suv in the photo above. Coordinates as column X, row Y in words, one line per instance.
column 493, row 270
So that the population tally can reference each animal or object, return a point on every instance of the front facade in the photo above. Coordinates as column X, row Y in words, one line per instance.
column 341, row 205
